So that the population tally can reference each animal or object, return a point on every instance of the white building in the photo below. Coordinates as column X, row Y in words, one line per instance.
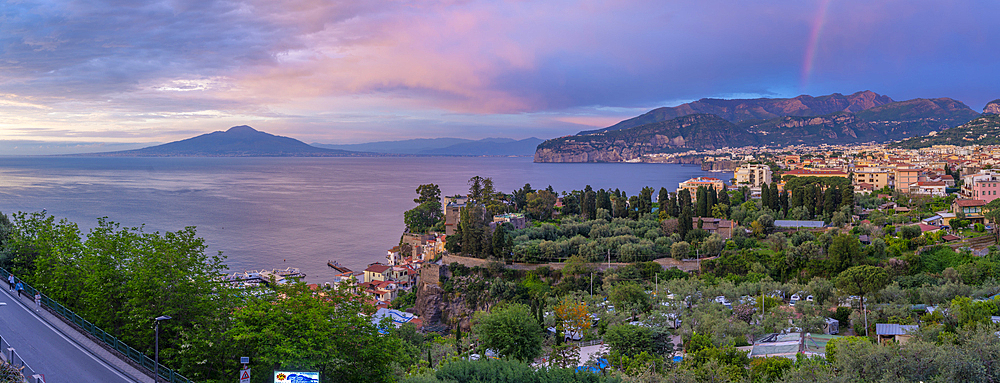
column 753, row 175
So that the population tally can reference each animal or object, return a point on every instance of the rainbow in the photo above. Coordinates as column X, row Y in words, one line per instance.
column 817, row 30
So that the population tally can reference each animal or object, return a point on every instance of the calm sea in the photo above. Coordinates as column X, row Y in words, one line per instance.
column 279, row 212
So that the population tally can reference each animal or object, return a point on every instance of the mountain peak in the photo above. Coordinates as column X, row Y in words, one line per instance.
column 993, row 107
column 242, row 129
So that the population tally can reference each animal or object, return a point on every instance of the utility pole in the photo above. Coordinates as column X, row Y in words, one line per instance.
column 591, row 285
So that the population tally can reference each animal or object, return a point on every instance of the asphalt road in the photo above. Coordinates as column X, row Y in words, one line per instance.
column 48, row 351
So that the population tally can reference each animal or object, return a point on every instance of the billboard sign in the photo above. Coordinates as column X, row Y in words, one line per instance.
column 296, row 377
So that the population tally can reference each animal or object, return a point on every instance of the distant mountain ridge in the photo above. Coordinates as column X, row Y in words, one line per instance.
column 238, row 141
column 860, row 117
column 758, row 108
column 447, row 146
column 244, row 141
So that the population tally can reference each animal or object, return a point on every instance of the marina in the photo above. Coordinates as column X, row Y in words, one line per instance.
column 253, row 278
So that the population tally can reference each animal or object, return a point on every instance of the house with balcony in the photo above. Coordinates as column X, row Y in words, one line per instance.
column 972, row 208
column 931, row 188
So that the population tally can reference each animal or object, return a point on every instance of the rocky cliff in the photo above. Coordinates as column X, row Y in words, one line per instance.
column 992, row 108
column 435, row 306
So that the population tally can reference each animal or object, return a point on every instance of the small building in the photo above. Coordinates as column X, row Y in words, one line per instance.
column 950, row 238
column 722, row 227
column 931, row 188
column 894, row 332
column 453, row 212
column 793, row 224
column 517, row 221
column 972, row 208
column 924, row 228
column 939, row 219
column 377, row 272
column 831, row 326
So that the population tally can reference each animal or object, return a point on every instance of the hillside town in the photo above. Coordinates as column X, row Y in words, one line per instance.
column 895, row 205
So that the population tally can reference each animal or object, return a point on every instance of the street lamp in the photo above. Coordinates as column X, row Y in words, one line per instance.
column 156, row 352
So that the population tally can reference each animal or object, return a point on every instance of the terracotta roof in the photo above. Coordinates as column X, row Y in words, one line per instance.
column 970, row 202
column 931, row 183
column 809, row 172
column 924, row 227
column 378, row 268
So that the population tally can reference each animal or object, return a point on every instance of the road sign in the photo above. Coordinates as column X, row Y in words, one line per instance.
column 245, row 376
column 245, row 359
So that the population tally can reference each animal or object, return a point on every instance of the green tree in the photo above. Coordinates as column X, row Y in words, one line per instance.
column 541, row 204
column 629, row 297
column 423, row 217
column 765, row 195
column 701, row 202
column 329, row 331
column 120, row 278
column 474, row 234
column 629, row 340
column 502, row 241
column 992, row 212
column 589, row 203
column 511, row 331
column 844, row 252
column 428, row 193
column 663, row 199
column 861, row 281
column 520, row 199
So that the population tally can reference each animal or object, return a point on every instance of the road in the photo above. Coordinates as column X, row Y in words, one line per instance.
column 47, row 350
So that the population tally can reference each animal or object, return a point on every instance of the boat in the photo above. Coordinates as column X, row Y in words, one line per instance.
column 337, row 266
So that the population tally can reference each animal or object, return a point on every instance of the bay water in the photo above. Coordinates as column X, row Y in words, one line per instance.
column 288, row 212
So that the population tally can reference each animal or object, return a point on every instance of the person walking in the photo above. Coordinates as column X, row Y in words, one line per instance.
column 10, row 281
column 38, row 301
column 19, row 287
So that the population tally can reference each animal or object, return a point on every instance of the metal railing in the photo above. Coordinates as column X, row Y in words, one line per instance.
column 11, row 357
column 129, row 352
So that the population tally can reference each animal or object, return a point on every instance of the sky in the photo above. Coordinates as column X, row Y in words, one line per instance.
column 120, row 74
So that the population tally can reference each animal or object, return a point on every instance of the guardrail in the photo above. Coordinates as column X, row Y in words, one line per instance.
column 69, row 316
column 10, row 356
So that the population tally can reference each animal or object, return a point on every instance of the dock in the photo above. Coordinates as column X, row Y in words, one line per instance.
column 337, row 266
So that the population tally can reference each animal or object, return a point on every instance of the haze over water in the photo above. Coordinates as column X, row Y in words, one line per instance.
column 279, row 212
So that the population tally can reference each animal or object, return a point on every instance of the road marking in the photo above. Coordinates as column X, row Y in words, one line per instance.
column 71, row 341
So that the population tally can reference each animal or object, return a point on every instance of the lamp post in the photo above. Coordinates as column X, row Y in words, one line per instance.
column 156, row 352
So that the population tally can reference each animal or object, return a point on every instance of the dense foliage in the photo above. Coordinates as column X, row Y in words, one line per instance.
column 121, row 278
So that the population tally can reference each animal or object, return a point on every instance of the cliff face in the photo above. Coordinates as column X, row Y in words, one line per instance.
column 759, row 109
column 700, row 131
column 992, row 108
